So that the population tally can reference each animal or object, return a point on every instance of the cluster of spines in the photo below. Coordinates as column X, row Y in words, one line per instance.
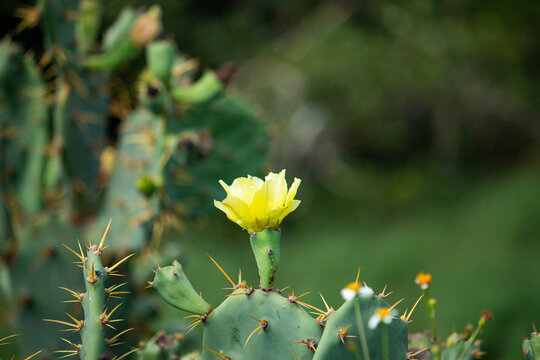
column 94, row 303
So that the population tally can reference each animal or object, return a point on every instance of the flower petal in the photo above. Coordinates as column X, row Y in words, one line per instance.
column 288, row 209
column 374, row 321
column 348, row 294
column 236, row 210
column 293, row 190
column 245, row 188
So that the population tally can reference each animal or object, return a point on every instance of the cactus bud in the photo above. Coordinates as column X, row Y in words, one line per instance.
column 146, row 186
column 175, row 288
column 147, row 27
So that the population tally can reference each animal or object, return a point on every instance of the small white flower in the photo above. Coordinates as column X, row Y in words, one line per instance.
column 365, row 291
column 386, row 315
column 349, row 292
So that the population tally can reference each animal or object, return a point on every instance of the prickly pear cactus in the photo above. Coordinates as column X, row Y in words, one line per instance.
column 531, row 346
column 64, row 173
column 262, row 323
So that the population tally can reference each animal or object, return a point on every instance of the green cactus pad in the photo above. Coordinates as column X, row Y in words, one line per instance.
column 174, row 287
column 228, row 327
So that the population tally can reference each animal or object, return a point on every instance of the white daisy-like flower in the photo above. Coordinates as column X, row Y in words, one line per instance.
column 350, row 291
column 385, row 314
column 365, row 291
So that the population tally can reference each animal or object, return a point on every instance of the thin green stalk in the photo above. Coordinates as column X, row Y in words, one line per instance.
column 361, row 330
column 431, row 311
column 469, row 342
column 385, row 342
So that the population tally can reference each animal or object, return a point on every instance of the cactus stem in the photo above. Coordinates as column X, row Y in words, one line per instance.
column 218, row 354
column 223, row 272
column 258, row 329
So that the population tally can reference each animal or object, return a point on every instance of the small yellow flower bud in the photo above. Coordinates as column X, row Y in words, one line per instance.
column 432, row 303
column 423, row 280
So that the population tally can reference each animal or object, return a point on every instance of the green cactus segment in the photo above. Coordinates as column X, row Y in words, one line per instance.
column 93, row 331
column 175, row 288
column 127, row 39
column 119, row 30
column 160, row 58
column 531, row 347
column 40, row 261
column 331, row 346
column 266, row 248
column 23, row 120
column 228, row 327
column 88, row 24
column 201, row 91
column 125, row 202
column 114, row 57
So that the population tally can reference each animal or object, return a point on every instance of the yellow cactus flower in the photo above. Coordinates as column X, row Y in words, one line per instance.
column 255, row 204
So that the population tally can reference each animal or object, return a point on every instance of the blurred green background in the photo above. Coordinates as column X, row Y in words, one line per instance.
column 415, row 129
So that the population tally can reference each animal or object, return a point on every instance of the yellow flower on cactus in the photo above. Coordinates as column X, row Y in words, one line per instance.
column 255, row 204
